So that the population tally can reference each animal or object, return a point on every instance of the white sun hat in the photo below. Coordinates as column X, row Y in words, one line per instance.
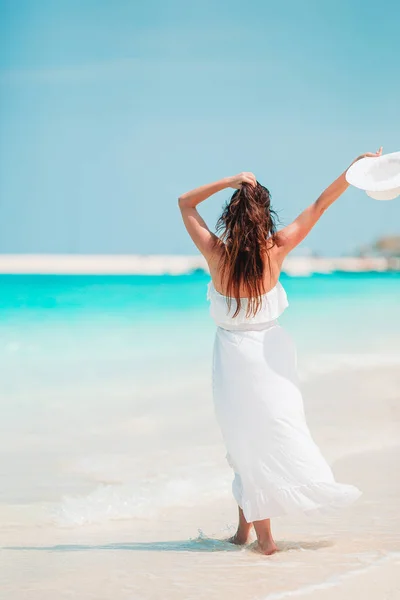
column 378, row 176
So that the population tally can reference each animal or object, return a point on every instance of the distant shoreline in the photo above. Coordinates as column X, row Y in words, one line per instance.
column 158, row 264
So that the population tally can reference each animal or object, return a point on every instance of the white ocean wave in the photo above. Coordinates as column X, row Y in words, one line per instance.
column 142, row 500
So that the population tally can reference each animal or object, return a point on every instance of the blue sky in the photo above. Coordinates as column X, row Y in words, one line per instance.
column 110, row 109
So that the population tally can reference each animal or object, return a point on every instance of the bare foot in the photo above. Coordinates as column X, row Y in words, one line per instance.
column 266, row 548
column 239, row 539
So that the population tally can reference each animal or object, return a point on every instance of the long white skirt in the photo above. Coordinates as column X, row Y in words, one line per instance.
column 278, row 468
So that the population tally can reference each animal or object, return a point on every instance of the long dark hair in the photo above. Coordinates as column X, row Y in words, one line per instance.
column 248, row 225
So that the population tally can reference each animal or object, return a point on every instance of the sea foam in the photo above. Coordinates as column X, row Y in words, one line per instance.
column 142, row 500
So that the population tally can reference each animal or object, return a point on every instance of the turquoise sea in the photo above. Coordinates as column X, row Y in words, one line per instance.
column 97, row 328
column 66, row 319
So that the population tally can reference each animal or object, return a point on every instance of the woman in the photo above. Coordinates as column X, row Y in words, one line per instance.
column 278, row 468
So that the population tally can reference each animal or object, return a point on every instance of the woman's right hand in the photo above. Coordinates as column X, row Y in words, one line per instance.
column 246, row 177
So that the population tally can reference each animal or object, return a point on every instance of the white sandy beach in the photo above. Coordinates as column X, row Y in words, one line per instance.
column 157, row 264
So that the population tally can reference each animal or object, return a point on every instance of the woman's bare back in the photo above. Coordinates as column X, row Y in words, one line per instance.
column 270, row 278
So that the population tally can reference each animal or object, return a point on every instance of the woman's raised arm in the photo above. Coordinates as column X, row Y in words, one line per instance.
column 204, row 239
column 291, row 235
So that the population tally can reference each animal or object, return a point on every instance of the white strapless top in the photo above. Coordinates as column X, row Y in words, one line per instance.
column 274, row 303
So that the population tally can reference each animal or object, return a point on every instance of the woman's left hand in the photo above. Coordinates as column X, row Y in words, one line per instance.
column 369, row 154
